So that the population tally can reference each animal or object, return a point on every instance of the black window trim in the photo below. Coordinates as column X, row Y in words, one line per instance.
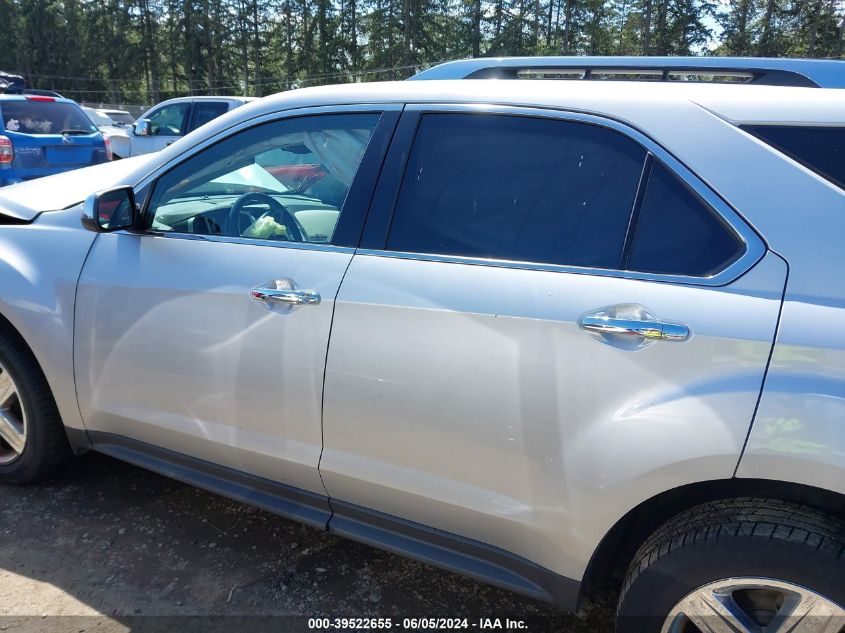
column 384, row 199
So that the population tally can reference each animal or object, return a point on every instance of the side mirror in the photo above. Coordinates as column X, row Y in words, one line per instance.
column 143, row 127
column 109, row 210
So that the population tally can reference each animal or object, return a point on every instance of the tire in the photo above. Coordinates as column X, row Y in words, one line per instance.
column 727, row 547
column 46, row 445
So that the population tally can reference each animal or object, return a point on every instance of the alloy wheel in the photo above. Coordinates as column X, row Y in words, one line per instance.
column 754, row 605
column 13, row 424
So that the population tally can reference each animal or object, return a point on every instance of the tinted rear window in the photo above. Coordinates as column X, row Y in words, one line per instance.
column 44, row 117
column 517, row 188
column 205, row 111
column 677, row 234
column 821, row 149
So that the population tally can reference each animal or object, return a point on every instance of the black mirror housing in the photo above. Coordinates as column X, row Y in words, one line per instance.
column 110, row 210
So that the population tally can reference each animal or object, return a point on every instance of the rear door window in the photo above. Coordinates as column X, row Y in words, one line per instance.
column 552, row 191
column 205, row 111
column 821, row 149
column 676, row 233
column 517, row 188
column 44, row 117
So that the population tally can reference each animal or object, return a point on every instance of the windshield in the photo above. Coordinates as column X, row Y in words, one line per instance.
column 45, row 117
column 98, row 117
column 121, row 118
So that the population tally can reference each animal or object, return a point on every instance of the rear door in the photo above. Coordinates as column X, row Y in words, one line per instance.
column 551, row 319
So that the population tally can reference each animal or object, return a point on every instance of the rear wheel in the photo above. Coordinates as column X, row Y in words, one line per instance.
column 32, row 438
column 739, row 566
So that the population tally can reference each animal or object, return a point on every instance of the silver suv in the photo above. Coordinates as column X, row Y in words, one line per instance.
column 554, row 335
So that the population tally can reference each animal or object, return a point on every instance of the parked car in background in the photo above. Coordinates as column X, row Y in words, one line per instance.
column 11, row 80
column 170, row 120
column 117, row 136
column 42, row 135
column 562, row 336
column 121, row 118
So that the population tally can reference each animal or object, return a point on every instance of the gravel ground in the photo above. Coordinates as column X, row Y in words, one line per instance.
column 110, row 547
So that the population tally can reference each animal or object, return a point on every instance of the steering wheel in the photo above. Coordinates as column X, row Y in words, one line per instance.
column 278, row 211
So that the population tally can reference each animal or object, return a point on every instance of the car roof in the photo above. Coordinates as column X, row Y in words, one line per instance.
column 617, row 99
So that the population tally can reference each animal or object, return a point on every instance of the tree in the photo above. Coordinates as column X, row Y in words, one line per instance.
column 145, row 50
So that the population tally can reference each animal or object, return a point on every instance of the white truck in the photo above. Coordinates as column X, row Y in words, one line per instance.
column 167, row 122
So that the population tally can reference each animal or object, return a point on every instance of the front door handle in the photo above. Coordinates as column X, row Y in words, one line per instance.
column 283, row 291
column 651, row 330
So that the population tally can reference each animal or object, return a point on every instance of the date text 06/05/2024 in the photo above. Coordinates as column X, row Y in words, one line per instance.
column 434, row 624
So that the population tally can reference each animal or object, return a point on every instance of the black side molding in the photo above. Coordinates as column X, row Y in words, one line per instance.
column 442, row 549
column 453, row 553
column 287, row 501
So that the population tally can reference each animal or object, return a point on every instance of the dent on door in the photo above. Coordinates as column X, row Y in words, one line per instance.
column 478, row 399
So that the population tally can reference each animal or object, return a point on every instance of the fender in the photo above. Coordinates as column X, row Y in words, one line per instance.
column 798, row 430
column 40, row 265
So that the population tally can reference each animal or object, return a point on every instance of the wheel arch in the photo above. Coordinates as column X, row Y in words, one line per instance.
column 610, row 560
column 77, row 438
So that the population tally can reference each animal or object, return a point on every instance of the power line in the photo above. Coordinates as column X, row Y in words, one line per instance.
column 139, row 87
column 141, row 80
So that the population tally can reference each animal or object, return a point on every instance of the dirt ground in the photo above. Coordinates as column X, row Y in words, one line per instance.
column 108, row 547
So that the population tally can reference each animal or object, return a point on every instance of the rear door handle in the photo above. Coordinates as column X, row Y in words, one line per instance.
column 650, row 330
column 283, row 291
column 631, row 326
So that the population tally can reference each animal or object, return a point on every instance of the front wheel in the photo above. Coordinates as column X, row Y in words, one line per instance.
column 33, row 443
column 739, row 566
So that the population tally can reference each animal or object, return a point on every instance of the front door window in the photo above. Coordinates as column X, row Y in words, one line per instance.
column 169, row 120
column 283, row 181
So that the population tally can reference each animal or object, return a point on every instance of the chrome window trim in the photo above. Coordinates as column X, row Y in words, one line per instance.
column 554, row 268
column 361, row 108
column 249, row 241
column 754, row 246
column 279, row 115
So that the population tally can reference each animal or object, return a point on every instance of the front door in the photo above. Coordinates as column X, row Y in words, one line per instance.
column 207, row 333
column 555, row 329
column 167, row 124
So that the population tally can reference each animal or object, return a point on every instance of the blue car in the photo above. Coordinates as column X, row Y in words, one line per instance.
column 41, row 135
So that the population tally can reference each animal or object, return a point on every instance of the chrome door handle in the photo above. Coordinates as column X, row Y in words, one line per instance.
column 650, row 330
column 630, row 326
column 283, row 291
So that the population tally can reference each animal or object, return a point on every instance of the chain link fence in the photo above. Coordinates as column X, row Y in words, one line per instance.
column 135, row 110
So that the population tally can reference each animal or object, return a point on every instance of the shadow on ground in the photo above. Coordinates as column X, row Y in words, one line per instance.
column 110, row 547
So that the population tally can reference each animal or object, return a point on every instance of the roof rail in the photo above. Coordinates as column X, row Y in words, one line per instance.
column 812, row 73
